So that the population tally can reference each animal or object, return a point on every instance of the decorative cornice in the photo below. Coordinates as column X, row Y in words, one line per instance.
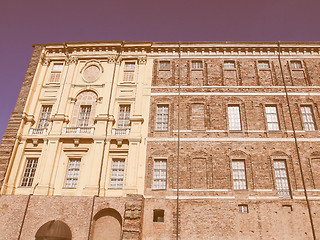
column 71, row 60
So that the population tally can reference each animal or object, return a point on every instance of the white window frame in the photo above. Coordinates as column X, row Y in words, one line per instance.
column 117, row 174
column 128, row 72
column 84, row 116
column 239, row 174
column 55, row 73
column 307, row 118
column 234, row 117
column 73, row 171
column 229, row 65
column 263, row 64
column 159, row 174
column 167, row 65
column 196, row 65
column 124, row 116
column 29, row 172
column 272, row 117
column 282, row 183
column 44, row 117
column 296, row 65
column 162, row 117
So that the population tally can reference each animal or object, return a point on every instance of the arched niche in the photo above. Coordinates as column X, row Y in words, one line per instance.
column 107, row 225
column 54, row 230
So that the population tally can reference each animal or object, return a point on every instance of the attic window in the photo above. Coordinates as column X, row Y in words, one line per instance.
column 158, row 215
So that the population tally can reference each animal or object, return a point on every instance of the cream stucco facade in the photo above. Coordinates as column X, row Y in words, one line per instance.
column 92, row 76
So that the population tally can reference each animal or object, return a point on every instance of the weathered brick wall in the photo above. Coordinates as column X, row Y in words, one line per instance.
column 9, row 136
column 209, row 204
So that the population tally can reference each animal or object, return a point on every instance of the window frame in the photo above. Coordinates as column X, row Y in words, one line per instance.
column 277, row 115
column 262, row 62
column 118, row 119
column 238, row 179
column 162, row 123
column 119, row 159
column 153, row 174
column 195, row 62
column 154, row 213
column 312, row 115
column 66, row 175
column 27, row 178
column 229, row 61
column 285, row 160
column 228, row 116
column 45, row 120
column 53, row 72
column 292, row 65
column 165, row 69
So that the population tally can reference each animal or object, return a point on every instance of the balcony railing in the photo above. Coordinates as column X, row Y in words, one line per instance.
column 38, row 131
column 78, row 130
column 120, row 131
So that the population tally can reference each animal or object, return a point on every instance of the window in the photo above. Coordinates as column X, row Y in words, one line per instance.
column 229, row 65
column 124, row 116
column 295, row 64
column 84, row 115
column 164, row 65
column 160, row 174
column 56, row 72
column 29, row 172
column 44, row 116
column 243, row 208
column 158, row 215
column 196, row 65
column 282, row 184
column 72, row 173
column 117, row 173
column 129, row 68
column 263, row 65
column 162, row 117
column 239, row 175
column 272, row 118
column 307, row 118
column 234, row 117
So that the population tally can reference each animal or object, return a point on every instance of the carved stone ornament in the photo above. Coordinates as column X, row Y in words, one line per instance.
column 112, row 59
column 91, row 71
column 44, row 60
column 142, row 60
column 71, row 60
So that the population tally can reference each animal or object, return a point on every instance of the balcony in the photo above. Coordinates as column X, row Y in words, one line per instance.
column 120, row 131
column 38, row 131
column 78, row 130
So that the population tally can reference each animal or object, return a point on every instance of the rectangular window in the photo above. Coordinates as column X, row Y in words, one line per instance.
column 239, row 175
column 234, row 117
column 160, row 174
column 72, row 173
column 84, row 115
column 164, row 65
column 229, row 65
column 129, row 72
column 117, row 173
column 44, row 116
column 295, row 64
column 162, row 117
column 263, row 65
column 307, row 117
column 282, row 183
column 243, row 208
column 158, row 215
column 196, row 65
column 272, row 118
column 124, row 116
column 29, row 172
column 56, row 72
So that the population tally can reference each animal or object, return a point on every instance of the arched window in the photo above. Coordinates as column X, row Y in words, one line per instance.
column 54, row 230
column 107, row 225
column 84, row 109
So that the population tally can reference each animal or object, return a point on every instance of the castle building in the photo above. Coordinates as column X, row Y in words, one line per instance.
column 155, row 141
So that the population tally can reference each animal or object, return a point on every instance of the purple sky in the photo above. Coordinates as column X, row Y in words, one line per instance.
column 26, row 22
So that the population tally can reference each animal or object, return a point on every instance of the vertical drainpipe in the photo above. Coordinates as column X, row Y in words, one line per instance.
column 296, row 145
column 178, row 158
column 105, row 141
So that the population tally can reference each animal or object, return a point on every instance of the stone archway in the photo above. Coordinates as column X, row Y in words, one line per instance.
column 107, row 225
column 54, row 230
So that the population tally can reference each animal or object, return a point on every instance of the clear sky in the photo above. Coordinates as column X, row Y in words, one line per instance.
column 26, row 22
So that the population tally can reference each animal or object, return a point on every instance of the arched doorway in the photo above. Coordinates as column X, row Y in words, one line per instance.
column 107, row 225
column 54, row 230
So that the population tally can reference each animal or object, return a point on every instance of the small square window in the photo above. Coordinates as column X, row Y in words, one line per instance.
column 229, row 65
column 263, row 65
column 196, row 65
column 158, row 215
column 296, row 64
column 164, row 65
column 243, row 208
